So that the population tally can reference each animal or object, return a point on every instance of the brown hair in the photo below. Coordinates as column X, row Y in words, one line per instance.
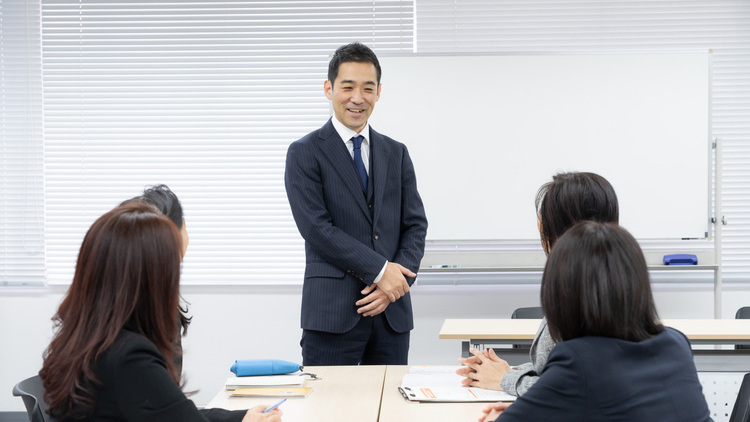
column 596, row 283
column 128, row 272
column 571, row 198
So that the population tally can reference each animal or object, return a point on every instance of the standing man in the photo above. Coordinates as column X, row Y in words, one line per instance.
column 353, row 194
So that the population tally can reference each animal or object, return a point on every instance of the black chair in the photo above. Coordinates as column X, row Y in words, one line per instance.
column 531, row 312
column 32, row 393
column 741, row 410
column 742, row 313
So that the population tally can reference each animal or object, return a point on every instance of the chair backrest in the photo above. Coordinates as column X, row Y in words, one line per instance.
column 741, row 410
column 31, row 391
column 532, row 312
column 742, row 313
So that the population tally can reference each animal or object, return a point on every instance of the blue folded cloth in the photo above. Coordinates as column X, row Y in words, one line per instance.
column 248, row 367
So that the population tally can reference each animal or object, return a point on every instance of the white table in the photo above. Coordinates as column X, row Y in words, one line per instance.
column 483, row 332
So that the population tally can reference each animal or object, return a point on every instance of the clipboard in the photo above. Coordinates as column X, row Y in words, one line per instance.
column 441, row 385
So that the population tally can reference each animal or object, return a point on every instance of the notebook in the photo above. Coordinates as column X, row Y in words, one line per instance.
column 272, row 392
column 293, row 380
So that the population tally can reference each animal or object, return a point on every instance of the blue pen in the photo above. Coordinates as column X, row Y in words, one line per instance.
column 270, row 408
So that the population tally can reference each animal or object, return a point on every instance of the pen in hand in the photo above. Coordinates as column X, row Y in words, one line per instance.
column 270, row 408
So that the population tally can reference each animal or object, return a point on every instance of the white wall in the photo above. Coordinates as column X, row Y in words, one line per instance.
column 258, row 322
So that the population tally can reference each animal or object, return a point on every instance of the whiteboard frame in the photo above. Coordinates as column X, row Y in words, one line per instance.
column 493, row 261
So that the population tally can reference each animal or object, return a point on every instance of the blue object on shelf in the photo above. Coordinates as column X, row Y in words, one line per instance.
column 680, row 259
column 248, row 367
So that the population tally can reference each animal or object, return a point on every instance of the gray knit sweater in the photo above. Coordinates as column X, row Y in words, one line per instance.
column 518, row 381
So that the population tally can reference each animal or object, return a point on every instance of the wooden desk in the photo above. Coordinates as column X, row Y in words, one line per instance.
column 395, row 409
column 482, row 332
column 345, row 393
column 356, row 393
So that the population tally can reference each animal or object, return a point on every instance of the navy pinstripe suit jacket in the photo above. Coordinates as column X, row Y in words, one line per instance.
column 349, row 235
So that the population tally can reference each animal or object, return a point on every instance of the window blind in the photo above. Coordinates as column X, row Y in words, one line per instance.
column 204, row 97
column 21, row 171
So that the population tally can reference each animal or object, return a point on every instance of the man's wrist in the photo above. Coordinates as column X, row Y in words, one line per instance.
column 380, row 275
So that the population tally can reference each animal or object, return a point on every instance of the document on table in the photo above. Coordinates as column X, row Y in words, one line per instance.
column 441, row 384
column 291, row 380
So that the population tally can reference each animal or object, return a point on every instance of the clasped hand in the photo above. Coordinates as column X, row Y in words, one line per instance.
column 391, row 287
column 483, row 370
column 491, row 412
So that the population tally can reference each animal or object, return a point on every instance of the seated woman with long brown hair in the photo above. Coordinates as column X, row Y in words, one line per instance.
column 117, row 324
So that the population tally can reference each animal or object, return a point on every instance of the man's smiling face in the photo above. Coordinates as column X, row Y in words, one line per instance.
column 354, row 93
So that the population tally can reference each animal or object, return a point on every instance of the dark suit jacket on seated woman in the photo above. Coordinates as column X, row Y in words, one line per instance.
column 136, row 386
column 614, row 360
column 607, row 379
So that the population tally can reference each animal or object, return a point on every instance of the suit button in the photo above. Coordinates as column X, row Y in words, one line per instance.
column 369, row 205
column 376, row 237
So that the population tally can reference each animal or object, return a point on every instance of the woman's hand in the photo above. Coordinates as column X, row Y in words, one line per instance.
column 483, row 370
column 492, row 411
column 256, row 415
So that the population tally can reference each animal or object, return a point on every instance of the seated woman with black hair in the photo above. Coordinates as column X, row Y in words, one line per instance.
column 613, row 360
column 568, row 199
column 111, row 357
column 167, row 203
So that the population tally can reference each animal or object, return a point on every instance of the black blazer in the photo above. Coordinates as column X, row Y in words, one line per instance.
column 137, row 387
column 349, row 235
column 605, row 379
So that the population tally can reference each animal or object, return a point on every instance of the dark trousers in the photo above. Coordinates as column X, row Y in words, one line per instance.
column 371, row 342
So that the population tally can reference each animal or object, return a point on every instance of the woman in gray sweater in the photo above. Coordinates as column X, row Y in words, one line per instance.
column 568, row 199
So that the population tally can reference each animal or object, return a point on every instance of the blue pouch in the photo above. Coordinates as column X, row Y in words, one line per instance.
column 248, row 367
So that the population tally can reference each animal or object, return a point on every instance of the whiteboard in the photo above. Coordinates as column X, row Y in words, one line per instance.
column 486, row 131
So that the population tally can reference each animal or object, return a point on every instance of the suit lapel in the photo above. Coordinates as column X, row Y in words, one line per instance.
column 335, row 151
column 381, row 152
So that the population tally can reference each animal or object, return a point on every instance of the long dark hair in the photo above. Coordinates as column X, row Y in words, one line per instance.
column 596, row 283
column 571, row 198
column 128, row 272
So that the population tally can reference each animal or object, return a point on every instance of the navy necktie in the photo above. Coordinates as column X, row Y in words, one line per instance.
column 358, row 163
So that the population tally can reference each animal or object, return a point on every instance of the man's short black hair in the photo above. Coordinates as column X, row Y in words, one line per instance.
column 354, row 52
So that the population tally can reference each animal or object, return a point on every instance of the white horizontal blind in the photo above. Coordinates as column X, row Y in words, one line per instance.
column 21, row 180
column 202, row 96
column 621, row 25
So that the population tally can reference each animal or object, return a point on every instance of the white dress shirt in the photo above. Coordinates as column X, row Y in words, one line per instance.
column 346, row 135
